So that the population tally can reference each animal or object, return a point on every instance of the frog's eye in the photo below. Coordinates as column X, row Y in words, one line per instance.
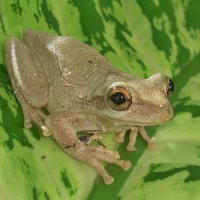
column 119, row 98
column 170, row 86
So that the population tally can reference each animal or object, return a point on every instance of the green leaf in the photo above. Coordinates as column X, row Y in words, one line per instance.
column 139, row 37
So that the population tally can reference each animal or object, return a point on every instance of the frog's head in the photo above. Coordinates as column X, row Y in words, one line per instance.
column 137, row 102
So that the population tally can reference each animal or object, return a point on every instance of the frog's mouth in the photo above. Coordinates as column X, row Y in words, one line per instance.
column 153, row 115
column 138, row 115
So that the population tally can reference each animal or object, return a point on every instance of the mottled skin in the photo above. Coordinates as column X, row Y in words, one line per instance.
column 72, row 81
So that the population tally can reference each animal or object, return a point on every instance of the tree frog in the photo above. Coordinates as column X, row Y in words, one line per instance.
column 82, row 92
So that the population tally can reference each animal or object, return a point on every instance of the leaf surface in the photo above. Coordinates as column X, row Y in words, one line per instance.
column 139, row 37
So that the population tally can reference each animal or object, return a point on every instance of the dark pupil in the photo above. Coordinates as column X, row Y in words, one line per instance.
column 118, row 98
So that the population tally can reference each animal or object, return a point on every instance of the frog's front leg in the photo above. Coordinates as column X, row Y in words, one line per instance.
column 132, row 138
column 64, row 126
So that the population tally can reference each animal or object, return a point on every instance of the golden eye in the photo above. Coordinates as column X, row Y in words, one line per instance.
column 119, row 98
column 170, row 86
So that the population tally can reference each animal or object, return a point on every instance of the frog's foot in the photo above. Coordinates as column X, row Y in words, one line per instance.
column 132, row 138
column 93, row 156
column 32, row 114
column 37, row 116
column 120, row 136
column 149, row 140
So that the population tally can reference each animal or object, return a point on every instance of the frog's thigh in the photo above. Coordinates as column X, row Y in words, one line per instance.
column 60, row 124
column 24, row 74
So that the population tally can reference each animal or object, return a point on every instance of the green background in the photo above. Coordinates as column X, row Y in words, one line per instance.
column 141, row 37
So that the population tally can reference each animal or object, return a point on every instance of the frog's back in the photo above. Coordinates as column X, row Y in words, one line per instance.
column 76, row 61
column 73, row 69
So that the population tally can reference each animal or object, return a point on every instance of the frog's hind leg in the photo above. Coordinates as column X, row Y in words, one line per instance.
column 26, row 74
column 28, row 81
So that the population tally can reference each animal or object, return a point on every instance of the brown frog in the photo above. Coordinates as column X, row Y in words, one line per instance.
column 83, row 92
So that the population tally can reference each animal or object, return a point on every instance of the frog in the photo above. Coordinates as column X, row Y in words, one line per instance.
column 66, row 87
